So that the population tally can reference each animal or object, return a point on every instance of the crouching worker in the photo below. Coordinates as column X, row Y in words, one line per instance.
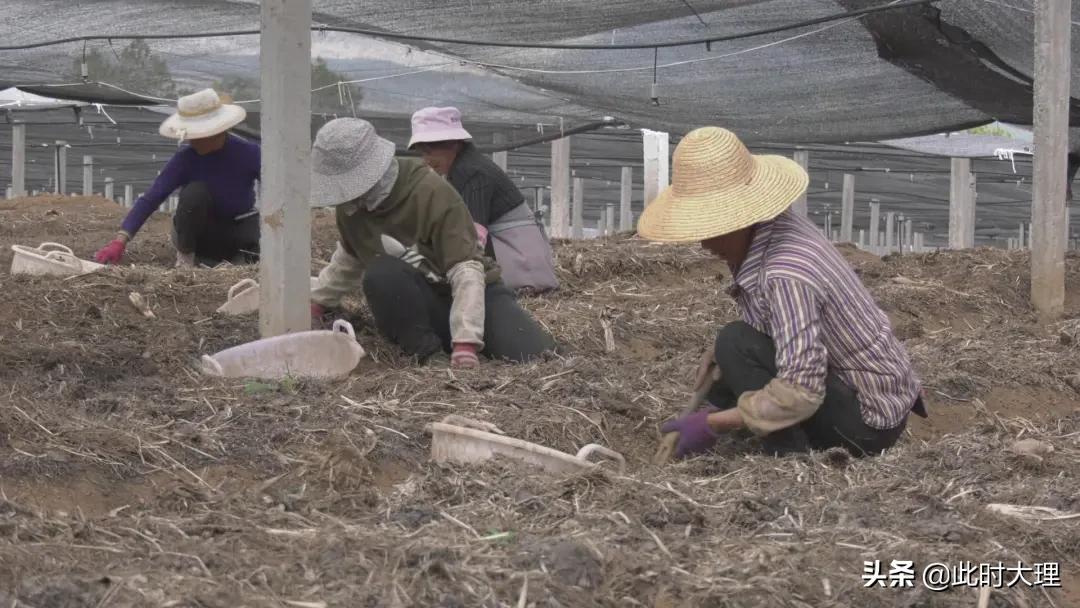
column 216, row 219
column 406, row 239
column 515, row 237
column 814, row 363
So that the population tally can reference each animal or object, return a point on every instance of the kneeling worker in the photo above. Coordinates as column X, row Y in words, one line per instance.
column 516, row 238
column 215, row 219
column 407, row 239
column 814, row 363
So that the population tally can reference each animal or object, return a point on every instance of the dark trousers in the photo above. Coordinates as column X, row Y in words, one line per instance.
column 747, row 362
column 212, row 239
column 415, row 314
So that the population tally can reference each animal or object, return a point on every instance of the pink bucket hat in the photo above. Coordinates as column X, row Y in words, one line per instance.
column 437, row 124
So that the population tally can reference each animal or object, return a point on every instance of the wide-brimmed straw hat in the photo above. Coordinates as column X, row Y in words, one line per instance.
column 437, row 124
column 202, row 114
column 347, row 159
column 718, row 187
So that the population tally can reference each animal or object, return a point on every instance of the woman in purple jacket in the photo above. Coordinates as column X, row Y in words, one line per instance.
column 216, row 219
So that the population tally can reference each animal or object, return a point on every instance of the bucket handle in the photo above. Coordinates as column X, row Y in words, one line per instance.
column 344, row 327
column 50, row 246
column 58, row 256
column 241, row 283
column 212, row 365
column 472, row 424
column 588, row 450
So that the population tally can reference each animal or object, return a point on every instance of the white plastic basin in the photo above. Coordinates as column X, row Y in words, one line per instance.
column 244, row 297
column 323, row 354
column 49, row 259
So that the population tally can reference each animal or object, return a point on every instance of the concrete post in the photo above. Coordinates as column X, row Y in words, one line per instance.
column 60, row 167
column 802, row 157
column 129, row 196
column 18, row 159
column 875, row 224
column 560, row 188
column 609, row 226
column 88, row 175
column 862, row 238
column 499, row 158
column 890, row 231
column 962, row 205
column 1052, row 86
column 847, row 208
column 109, row 192
column 9, row 193
column 656, row 163
column 577, row 227
column 626, row 185
column 285, row 239
column 1020, row 239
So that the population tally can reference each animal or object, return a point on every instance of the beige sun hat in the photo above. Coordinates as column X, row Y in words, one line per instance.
column 718, row 187
column 202, row 114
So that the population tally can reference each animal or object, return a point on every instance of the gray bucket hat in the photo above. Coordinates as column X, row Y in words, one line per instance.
column 347, row 159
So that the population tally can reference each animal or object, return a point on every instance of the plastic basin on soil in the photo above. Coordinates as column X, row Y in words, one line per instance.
column 463, row 440
column 49, row 259
column 322, row 354
column 244, row 297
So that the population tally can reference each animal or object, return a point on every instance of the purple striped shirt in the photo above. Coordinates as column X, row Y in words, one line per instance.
column 795, row 287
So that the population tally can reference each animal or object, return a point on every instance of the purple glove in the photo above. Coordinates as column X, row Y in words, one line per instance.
column 695, row 436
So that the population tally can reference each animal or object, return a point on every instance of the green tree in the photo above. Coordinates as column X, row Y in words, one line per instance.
column 324, row 101
column 134, row 68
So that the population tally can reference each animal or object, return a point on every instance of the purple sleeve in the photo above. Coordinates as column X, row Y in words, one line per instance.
column 172, row 177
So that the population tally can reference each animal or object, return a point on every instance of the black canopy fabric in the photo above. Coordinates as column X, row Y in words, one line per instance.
column 915, row 70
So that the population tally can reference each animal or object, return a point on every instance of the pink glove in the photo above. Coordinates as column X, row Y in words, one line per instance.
column 317, row 313
column 111, row 253
column 464, row 356
column 481, row 235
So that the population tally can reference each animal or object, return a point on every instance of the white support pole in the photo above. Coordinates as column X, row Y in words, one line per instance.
column 499, row 157
column 828, row 226
column 609, row 226
column 626, row 189
column 1020, row 233
column 918, row 236
column 285, row 241
column 962, row 205
column 909, row 234
column 18, row 159
column 129, row 197
column 656, row 163
column 847, row 208
column 538, row 198
column 109, row 192
column 601, row 223
column 577, row 228
column 802, row 157
column 88, row 175
column 875, row 224
column 60, row 167
column 890, row 231
column 560, row 188
column 9, row 193
column 862, row 238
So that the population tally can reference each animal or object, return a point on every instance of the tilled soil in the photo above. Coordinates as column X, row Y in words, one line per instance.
column 129, row 478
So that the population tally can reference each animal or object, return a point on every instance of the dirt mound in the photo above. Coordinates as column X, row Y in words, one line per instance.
column 127, row 478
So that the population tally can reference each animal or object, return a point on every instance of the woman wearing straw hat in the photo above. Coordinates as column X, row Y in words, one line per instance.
column 407, row 240
column 813, row 363
column 517, row 240
column 215, row 219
